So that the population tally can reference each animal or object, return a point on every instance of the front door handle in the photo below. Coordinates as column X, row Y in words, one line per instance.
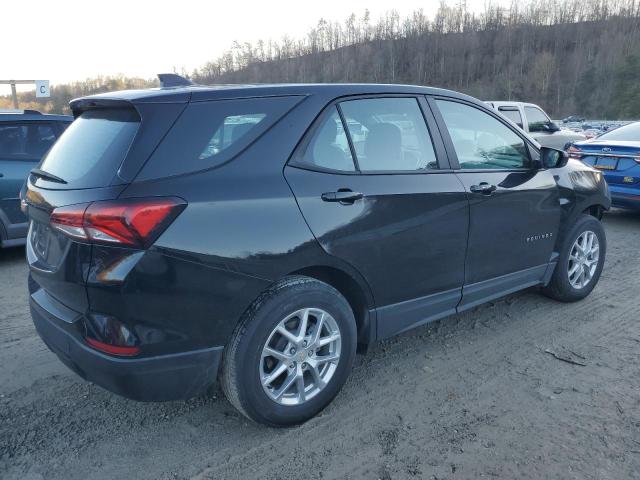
column 483, row 188
column 346, row 197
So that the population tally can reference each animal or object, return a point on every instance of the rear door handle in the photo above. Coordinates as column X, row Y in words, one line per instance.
column 483, row 188
column 343, row 196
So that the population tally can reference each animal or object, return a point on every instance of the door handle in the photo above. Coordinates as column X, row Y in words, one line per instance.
column 346, row 197
column 483, row 188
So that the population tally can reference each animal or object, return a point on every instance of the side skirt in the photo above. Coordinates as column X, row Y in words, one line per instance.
column 400, row 317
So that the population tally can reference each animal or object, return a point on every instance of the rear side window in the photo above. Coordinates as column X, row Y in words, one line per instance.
column 208, row 134
column 90, row 152
column 329, row 146
column 25, row 141
column 389, row 134
column 512, row 114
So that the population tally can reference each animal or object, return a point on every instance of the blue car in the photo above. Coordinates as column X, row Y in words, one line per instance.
column 617, row 155
column 25, row 136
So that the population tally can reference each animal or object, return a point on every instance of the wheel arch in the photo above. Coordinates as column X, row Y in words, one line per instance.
column 355, row 291
column 596, row 210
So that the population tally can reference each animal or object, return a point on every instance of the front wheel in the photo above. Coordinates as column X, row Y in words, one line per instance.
column 580, row 262
column 291, row 353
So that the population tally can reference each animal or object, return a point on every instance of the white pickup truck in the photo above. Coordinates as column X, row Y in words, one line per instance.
column 532, row 119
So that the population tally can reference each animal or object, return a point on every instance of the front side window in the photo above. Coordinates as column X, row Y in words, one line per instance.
column 536, row 119
column 480, row 140
column 389, row 134
column 25, row 141
column 329, row 146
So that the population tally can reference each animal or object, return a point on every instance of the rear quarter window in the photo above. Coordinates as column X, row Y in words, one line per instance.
column 211, row 133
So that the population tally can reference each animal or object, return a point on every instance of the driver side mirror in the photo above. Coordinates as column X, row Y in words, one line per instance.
column 553, row 158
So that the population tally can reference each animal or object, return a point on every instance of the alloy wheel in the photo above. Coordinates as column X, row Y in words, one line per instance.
column 300, row 356
column 583, row 259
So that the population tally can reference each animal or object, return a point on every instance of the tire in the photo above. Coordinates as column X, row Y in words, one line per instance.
column 245, row 366
column 560, row 287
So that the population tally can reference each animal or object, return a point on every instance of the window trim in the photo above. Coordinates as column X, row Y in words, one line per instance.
column 442, row 158
column 54, row 128
column 451, row 152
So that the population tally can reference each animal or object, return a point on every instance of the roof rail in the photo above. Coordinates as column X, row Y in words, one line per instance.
column 32, row 112
column 173, row 80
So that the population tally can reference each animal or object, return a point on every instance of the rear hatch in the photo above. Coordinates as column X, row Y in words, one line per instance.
column 94, row 160
column 616, row 159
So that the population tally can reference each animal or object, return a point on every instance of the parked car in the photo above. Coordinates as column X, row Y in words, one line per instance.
column 25, row 136
column 181, row 234
column 533, row 120
column 617, row 154
column 573, row 118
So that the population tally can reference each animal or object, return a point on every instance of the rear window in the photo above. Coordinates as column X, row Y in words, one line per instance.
column 90, row 151
column 25, row 141
column 630, row 133
column 209, row 134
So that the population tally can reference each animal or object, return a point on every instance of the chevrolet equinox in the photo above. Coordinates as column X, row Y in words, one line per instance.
column 263, row 234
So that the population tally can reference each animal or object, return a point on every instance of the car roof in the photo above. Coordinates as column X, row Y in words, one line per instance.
column 32, row 116
column 508, row 102
column 183, row 94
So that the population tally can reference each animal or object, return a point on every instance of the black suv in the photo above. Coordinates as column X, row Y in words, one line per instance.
column 265, row 233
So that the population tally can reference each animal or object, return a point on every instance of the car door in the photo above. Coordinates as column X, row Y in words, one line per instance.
column 373, row 183
column 22, row 145
column 514, row 206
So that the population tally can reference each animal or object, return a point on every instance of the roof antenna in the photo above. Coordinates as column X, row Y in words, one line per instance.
column 173, row 80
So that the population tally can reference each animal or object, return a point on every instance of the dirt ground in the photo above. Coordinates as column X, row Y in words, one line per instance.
column 475, row 395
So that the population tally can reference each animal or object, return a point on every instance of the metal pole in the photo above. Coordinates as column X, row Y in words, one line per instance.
column 14, row 94
column 13, row 84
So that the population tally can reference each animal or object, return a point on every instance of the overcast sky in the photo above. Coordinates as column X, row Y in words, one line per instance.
column 67, row 40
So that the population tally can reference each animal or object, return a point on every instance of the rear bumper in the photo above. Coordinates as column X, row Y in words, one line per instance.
column 161, row 378
column 624, row 197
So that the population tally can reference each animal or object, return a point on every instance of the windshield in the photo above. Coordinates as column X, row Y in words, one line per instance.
column 91, row 150
column 629, row 133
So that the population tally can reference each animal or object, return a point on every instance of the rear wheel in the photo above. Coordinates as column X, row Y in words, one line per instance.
column 580, row 262
column 291, row 353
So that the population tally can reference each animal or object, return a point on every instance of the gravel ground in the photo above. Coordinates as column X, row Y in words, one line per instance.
column 474, row 395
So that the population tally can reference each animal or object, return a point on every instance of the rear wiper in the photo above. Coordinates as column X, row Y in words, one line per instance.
column 47, row 176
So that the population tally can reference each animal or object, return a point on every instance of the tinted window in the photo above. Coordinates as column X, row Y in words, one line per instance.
column 328, row 147
column 536, row 118
column 512, row 114
column 208, row 134
column 629, row 133
column 389, row 134
column 480, row 140
column 90, row 151
column 25, row 141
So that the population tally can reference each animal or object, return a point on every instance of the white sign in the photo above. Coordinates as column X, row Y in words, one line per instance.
column 42, row 88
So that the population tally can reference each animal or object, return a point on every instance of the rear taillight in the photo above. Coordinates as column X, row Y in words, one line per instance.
column 113, row 349
column 135, row 222
column 574, row 152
